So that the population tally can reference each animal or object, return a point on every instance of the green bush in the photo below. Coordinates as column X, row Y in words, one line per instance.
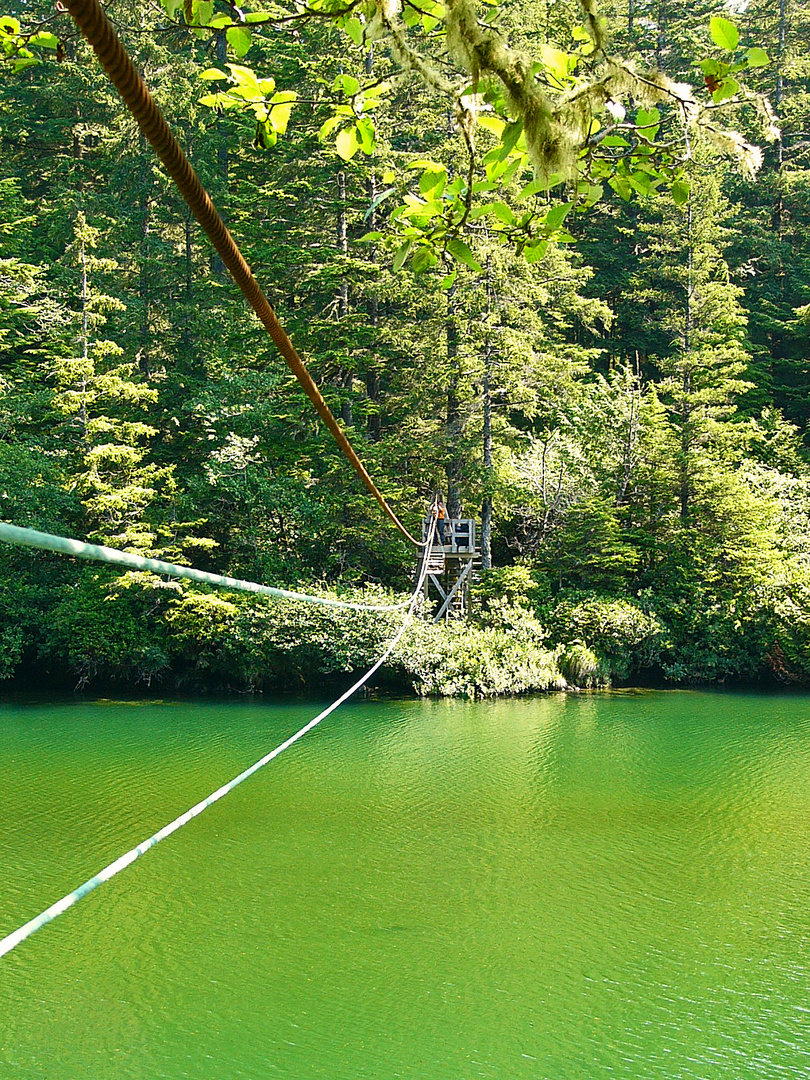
column 582, row 667
column 513, row 586
column 624, row 637
column 458, row 660
column 785, row 609
column 256, row 642
column 266, row 643
column 110, row 628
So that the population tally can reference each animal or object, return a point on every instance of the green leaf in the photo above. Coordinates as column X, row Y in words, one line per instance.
column 601, row 170
column 449, row 279
column 557, row 215
column 240, row 39
column 503, row 213
column 376, row 91
column 680, row 192
column 354, row 28
column 202, row 10
column 280, row 108
column 257, row 16
column 640, row 182
column 491, row 123
column 44, row 40
column 593, row 194
column 423, row 163
column 328, row 127
column 433, row 181
column 370, row 237
column 220, row 101
column 347, row 143
column 212, row 73
column 247, row 92
column 401, row 254
column 422, row 260
column 347, row 83
column 622, row 187
column 461, row 253
column 757, row 58
column 376, row 202
column 727, row 89
column 265, row 136
column 724, row 33
column 648, row 119
column 555, row 62
column 535, row 250
column 247, row 85
column 511, row 134
column 9, row 24
column 536, row 187
column 517, row 165
column 366, row 134
column 416, row 209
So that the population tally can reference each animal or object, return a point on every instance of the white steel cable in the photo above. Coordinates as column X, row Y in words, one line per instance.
column 13, row 534
column 11, row 941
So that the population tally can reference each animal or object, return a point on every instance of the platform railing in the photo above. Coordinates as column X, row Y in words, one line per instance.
column 459, row 535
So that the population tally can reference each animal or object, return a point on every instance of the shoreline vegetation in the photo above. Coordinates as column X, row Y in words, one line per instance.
column 137, row 631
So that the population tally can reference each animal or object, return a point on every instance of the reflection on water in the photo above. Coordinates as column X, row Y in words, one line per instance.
column 595, row 886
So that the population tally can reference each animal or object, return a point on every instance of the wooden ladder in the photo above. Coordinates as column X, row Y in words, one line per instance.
column 435, row 562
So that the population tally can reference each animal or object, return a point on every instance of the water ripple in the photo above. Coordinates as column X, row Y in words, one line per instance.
column 595, row 886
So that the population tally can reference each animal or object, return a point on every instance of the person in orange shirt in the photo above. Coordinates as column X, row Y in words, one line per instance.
column 441, row 515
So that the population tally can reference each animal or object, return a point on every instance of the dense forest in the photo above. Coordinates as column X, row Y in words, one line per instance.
column 621, row 399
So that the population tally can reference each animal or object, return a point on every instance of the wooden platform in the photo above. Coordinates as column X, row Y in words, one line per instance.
column 452, row 568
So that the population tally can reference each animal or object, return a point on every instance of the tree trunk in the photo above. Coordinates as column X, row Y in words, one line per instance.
column 85, row 330
column 453, row 461
column 374, row 425
column 486, row 503
column 186, row 337
column 223, row 164
column 344, row 377
column 685, row 465
column 778, row 210
column 661, row 37
column 144, row 292
column 343, row 244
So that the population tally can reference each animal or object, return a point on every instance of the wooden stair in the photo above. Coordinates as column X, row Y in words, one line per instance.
column 436, row 562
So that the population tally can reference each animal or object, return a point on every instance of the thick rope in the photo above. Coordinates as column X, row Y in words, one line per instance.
column 12, row 940
column 13, row 534
column 96, row 27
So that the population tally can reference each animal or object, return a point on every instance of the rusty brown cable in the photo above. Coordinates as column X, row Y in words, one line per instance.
column 91, row 19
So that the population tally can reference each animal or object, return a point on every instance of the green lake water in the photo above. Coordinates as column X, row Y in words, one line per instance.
column 590, row 886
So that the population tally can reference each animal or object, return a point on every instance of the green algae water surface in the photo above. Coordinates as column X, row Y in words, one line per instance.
column 614, row 885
